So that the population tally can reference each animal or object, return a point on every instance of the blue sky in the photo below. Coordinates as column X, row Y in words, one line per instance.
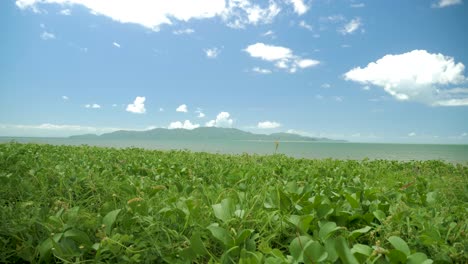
column 365, row 71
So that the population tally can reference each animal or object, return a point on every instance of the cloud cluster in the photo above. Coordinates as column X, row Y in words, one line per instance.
column 222, row 120
column 446, row 3
column 182, row 108
column 268, row 125
column 94, row 106
column 152, row 14
column 416, row 76
column 183, row 125
column 138, row 106
column 47, row 35
column 282, row 57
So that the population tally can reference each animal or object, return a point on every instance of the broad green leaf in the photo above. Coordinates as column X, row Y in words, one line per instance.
column 396, row 256
column 296, row 248
column 358, row 232
column 380, row 215
column 344, row 252
column 109, row 220
column 399, row 244
column 352, row 201
column 243, row 236
column 327, row 229
column 315, row 251
column 197, row 245
column 418, row 258
column 222, row 235
column 324, row 210
column 301, row 222
column 224, row 210
column 78, row 236
column 362, row 249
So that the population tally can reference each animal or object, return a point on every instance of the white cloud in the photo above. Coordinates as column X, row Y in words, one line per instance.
column 358, row 5
column 161, row 109
column 239, row 13
column 270, row 33
column 345, row 46
column 338, row 98
column 65, row 12
column 186, row 31
column 153, row 14
column 222, row 120
column 185, row 125
column 261, row 70
column 319, row 97
column 351, row 26
column 366, row 88
column 64, row 97
column 93, row 106
column 304, row 24
column 138, row 106
column 299, row 7
column 182, row 108
column 325, row 85
column 200, row 113
column 47, row 35
column 114, row 105
column 116, row 44
column 416, row 76
column 412, row 134
column 212, row 53
column 464, row 134
column 446, row 3
column 268, row 125
column 282, row 57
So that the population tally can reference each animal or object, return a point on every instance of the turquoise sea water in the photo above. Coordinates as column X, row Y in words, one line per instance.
column 403, row 152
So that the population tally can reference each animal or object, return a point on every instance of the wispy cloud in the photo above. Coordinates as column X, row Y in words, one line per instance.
column 304, row 24
column 299, row 6
column 446, row 3
column 93, row 106
column 261, row 70
column 65, row 98
column 212, row 53
column 186, row 31
column 65, row 12
column 47, row 35
column 117, row 45
column 351, row 26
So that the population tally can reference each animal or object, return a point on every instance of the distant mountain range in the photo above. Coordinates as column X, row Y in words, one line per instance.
column 200, row 133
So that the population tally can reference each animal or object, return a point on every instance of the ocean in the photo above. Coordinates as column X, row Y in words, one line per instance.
column 312, row 150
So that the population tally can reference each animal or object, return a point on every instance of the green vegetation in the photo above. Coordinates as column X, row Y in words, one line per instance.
column 91, row 204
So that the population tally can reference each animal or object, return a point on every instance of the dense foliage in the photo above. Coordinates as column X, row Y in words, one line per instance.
column 91, row 204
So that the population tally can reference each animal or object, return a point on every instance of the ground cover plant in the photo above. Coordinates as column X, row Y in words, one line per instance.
column 89, row 204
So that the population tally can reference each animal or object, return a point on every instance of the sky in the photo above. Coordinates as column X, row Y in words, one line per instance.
column 364, row 71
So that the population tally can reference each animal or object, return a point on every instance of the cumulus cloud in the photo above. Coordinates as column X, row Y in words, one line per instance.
column 282, row 57
column 351, row 26
column 138, row 106
column 93, row 106
column 268, row 125
column 222, row 120
column 299, row 7
column 116, row 44
column 182, row 108
column 186, row 31
column 47, row 35
column 154, row 14
column 212, row 53
column 183, row 125
column 446, row 3
column 416, row 76
column 200, row 113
